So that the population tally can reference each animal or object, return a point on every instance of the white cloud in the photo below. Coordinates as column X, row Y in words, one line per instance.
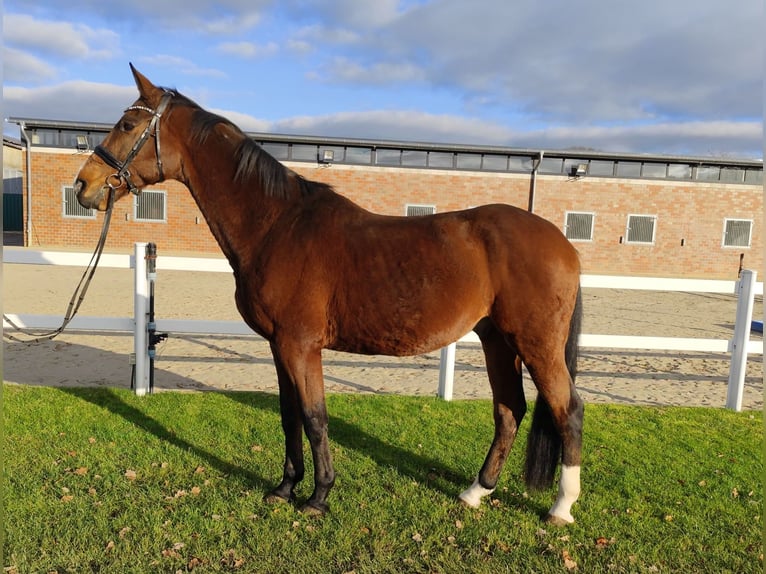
column 248, row 50
column 59, row 39
column 182, row 65
column 22, row 67
column 380, row 73
column 74, row 101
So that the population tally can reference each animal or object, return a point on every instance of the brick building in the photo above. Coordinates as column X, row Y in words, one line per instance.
column 626, row 214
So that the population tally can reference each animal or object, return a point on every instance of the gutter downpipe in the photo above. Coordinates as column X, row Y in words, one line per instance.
column 533, row 182
column 28, row 145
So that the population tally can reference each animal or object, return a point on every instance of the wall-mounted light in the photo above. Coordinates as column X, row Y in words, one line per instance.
column 82, row 143
column 580, row 170
column 327, row 156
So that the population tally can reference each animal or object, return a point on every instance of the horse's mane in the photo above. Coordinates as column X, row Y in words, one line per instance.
column 252, row 160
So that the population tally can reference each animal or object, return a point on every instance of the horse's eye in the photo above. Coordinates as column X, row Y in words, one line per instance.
column 126, row 126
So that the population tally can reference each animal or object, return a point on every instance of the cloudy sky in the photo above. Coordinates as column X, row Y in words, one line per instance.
column 656, row 76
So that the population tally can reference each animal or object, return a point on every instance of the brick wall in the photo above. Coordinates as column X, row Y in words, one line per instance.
column 691, row 213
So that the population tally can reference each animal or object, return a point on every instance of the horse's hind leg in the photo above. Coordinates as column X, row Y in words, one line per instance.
column 556, row 435
column 504, row 370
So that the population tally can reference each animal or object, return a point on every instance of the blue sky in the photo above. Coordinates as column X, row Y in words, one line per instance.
column 680, row 77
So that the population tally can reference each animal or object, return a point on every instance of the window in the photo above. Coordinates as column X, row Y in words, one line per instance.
column 413, row 210
column 551, row 165
column 601, row 167
column 300, row 152
column 641, row 229
column 416, row 158
column 440, row 159
column 628, row 169
column 579, row 226
column 679, row 171
column 520, row 163
column 754, row 176
column 493, row 162
column 278, row 151
column 654, row 170
column 72, row 207
column 149, row 206
column 708, row 173
column 468, row 161
column 388, row 156
column 358, row 155
column 736, row 232
column 732, row 174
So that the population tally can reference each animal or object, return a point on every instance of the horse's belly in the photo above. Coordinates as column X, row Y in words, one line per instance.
column 407, row 337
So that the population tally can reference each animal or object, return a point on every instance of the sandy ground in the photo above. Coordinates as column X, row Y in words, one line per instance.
column 637, row 377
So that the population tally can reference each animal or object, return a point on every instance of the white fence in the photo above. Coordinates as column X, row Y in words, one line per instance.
column 739, row 346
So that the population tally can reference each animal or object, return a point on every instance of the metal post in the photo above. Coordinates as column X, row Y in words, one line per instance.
column 140, row 300
column 151, row 326
column 153, row 336
column 447, row 371
column 738, row 368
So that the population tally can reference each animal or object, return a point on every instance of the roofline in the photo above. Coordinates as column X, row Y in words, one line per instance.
column 426, row 146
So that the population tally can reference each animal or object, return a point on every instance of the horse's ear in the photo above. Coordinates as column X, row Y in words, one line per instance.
column 145, row 87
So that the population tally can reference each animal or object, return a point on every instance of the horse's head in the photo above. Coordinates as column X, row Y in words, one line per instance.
column 136, row 153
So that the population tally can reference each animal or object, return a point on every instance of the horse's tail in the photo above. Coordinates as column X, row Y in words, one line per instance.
column 544, row 441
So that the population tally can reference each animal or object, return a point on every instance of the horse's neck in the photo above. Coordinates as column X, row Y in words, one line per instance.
column 238, row 213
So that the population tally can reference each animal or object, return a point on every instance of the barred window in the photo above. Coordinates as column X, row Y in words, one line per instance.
column 412, row 210
column 149, row 206
column 579, row 226
column 72, row 207
column 736, row 232
column 641, row 228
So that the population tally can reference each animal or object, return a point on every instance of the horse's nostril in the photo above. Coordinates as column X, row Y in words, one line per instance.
column 78, row 184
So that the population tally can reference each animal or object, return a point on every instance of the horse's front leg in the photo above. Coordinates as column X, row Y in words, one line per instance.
column 303, row 367
column 292, row 427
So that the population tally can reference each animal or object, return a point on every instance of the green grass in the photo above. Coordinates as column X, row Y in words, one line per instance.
column 664, row 489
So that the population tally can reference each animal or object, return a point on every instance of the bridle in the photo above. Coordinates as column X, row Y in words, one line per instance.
column 113, row 181
column 122, row 175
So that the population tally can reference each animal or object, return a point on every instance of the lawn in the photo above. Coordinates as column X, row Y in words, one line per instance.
column 98, row 480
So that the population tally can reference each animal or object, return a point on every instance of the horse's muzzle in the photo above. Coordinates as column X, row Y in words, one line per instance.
column 87, row 202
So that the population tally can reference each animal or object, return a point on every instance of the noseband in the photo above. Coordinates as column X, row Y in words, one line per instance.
column 122, row 175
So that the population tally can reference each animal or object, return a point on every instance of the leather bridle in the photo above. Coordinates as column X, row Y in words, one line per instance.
column 122, row 175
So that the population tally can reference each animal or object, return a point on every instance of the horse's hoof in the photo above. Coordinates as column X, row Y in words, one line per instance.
column 274, row 498
column 315, row 509
column 557, row 521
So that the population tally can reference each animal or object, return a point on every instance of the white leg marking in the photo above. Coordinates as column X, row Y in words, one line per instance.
column 472, row 495
column 569, row 490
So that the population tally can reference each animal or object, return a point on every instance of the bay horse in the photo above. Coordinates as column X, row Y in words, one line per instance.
column 315, row 271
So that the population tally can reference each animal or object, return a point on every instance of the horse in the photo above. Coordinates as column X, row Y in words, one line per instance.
column 316, row 271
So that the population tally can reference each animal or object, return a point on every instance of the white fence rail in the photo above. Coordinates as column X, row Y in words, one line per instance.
column 739, row 347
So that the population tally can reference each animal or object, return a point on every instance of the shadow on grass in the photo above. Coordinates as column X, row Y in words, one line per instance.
column 425, row 470
column 111, row 401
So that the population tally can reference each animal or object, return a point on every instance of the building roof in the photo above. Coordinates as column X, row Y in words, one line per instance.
column 572, row 153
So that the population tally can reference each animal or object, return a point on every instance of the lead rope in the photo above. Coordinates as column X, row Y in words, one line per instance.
column 79, row 293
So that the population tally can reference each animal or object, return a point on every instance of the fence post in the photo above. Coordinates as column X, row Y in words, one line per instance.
column 447, row 371
column 738, row 368
column 140, row 311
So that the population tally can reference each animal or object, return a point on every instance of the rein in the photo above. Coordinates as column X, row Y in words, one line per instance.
column 122, row 175
column 79, row 293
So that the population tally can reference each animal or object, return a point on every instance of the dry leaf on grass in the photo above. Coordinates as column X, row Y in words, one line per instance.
column 569, row 564
column 130, row 474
